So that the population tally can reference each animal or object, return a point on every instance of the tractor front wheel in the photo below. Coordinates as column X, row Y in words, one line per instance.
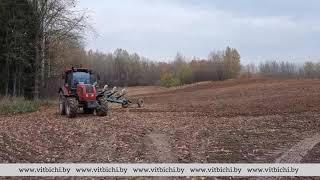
column 71, row 107
column 102, row 110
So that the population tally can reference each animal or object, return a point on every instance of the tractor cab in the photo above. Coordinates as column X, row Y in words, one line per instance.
column 81, row 83
column 77, row 76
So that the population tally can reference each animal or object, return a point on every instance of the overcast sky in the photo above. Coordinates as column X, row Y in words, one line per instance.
column 158, row 29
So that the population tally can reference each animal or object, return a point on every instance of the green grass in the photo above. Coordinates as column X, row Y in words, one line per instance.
column 13, row 105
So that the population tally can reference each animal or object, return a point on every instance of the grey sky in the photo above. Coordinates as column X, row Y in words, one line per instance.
column 157, row 29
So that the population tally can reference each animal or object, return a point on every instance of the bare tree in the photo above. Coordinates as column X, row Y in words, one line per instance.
column 55, row 20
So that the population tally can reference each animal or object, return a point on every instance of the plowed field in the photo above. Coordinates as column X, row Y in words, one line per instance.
column 248, row 120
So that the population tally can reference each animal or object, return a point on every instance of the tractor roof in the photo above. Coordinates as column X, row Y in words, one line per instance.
column 78, row 70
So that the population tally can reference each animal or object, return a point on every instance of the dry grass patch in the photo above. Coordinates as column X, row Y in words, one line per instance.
column 18, row 105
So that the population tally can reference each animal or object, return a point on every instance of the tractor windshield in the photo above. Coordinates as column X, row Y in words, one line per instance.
column 81, row 77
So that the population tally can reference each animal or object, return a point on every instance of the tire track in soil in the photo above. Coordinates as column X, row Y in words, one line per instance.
column 297, row 152
column 158, row 148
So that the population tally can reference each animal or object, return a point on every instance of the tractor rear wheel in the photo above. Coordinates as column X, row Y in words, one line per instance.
column 62, row 105
column 103, row 109
column 71, row 107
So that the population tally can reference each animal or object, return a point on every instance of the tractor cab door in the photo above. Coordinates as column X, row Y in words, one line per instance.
column 93, row 78
column 68, row 79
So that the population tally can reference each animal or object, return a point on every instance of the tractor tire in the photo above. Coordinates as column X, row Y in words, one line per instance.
column 140, row 103
column 88, row 110
column 103, row 109
column 62, row 105
column 71, row 107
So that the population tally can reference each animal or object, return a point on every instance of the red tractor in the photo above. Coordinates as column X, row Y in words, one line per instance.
column 79, row 91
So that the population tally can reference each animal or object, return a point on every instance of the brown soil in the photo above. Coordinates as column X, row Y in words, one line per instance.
column 248, row 120
column 299, row 151
column 313, row 155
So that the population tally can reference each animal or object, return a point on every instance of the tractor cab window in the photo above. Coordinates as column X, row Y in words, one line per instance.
column 68, row 79
column 93, row 78
column 81, row 77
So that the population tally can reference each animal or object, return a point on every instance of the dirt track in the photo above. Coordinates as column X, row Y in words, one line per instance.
column 255, row 120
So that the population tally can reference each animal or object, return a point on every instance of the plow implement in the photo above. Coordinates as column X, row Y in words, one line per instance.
column 114, row 96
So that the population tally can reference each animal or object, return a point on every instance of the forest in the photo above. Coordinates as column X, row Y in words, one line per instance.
column 39, row 39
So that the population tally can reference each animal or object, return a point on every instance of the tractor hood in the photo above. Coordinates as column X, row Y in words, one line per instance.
column 86, row 92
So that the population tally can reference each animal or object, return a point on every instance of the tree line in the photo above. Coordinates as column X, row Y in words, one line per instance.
column 121, row 68
column 283, row 69
column 39, row 39
column 30, row 30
